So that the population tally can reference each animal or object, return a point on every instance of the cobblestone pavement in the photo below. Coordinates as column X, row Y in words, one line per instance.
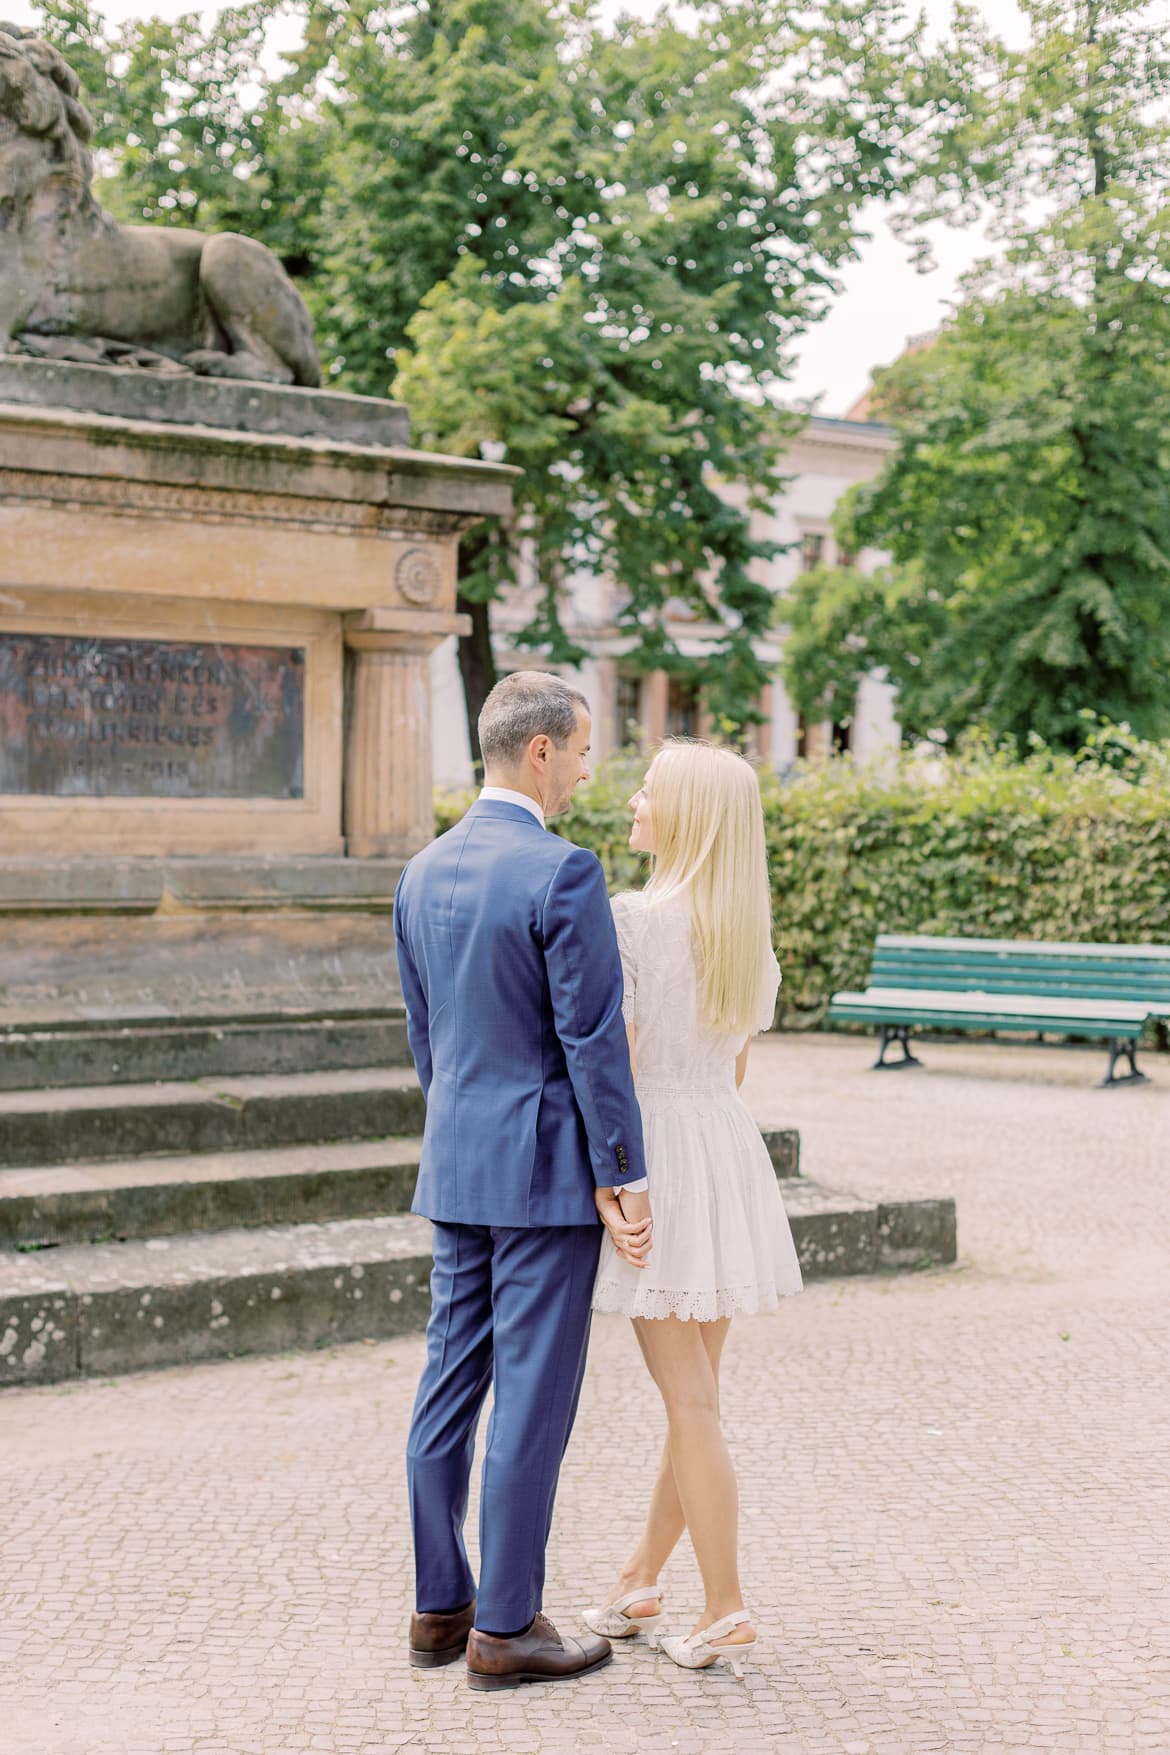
column 956, row 1485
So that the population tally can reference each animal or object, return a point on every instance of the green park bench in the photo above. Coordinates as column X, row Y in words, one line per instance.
column 1107, row 991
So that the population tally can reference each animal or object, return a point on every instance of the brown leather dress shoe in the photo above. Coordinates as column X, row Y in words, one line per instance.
column 440, row 1639
column 540, row 1655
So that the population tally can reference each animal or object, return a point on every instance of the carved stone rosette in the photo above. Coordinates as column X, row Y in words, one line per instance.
column 419, row 577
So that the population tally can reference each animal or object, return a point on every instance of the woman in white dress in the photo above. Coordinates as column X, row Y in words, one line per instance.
column 700, row 980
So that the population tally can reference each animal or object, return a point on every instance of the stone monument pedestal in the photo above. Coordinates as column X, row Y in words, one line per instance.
column 217, row 603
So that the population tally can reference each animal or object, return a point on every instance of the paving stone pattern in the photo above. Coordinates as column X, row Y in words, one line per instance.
column 955, row 1485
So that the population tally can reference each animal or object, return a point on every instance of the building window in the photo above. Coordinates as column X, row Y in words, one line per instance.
column 628, row 710
column 812, row 550
column 682, row 708
column 842, row 737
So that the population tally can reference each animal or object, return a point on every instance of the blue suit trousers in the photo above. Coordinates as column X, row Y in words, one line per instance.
column 510, row 1307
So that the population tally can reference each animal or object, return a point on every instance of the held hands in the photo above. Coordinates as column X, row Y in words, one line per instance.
column 628, row 1221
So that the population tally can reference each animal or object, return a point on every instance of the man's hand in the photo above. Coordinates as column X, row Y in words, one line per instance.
column 628, row 1222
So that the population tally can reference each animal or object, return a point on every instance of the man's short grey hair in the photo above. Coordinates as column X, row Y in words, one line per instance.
column 527, row 704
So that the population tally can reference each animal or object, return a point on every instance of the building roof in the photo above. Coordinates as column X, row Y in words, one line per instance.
column 859, row 410
column 851, row 423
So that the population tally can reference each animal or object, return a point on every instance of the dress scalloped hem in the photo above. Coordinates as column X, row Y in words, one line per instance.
column 653, row 1304
column 722, row 1245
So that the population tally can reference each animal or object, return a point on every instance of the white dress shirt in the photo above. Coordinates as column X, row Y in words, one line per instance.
column 505, row 795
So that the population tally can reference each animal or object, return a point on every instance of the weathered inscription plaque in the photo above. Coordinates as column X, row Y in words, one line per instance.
column 82, row 718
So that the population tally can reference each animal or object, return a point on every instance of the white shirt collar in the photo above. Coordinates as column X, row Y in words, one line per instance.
column 505, row 795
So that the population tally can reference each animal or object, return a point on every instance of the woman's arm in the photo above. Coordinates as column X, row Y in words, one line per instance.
column 741, row 1063
column 631, row 1237
column 630, row 1033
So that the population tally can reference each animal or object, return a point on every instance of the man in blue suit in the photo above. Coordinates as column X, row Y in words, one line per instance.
column 513, row 989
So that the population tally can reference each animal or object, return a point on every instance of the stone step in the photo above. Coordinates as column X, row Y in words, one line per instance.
column 93, row 1310
column 837, row 1233
column 214, row 1115
column 783, row 1145
column 103, row 1308
column 118, row 1199
column 159, row 1048
column 46, row 1205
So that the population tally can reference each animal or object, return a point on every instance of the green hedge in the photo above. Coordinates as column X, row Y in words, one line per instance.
column 978, row 845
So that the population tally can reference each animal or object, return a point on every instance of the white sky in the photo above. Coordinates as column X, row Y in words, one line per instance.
column 883, row 300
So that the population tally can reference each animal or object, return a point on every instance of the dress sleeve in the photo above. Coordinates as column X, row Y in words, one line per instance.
column 625, row 909
column 769, row 988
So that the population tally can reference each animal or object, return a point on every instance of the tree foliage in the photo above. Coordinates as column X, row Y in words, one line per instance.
column 1026, row 509
column 592, row 244
column 620, row 315
column 180, row 139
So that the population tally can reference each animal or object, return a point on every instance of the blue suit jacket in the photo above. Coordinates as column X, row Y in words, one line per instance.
column 513, row 989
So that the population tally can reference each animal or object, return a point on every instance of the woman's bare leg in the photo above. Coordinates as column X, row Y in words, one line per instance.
column 665, row 1521
column 664, row 1525
column 695, row 1470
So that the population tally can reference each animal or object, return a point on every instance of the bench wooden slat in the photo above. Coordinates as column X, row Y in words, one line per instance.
column 982, row 1010
column 1141, row 975
column 1137, row 969
column 1141, row 968
column 1025, row 947
column 996, row 981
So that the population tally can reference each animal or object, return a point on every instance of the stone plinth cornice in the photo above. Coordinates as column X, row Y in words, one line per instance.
column 109, row 447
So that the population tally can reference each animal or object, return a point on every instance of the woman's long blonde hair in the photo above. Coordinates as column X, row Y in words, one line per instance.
column 709, row 826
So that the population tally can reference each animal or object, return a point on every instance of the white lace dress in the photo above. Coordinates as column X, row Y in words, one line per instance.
column 722, row 1242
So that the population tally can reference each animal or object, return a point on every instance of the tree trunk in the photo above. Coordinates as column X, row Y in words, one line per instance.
column 1093, row 120
column 477, row 667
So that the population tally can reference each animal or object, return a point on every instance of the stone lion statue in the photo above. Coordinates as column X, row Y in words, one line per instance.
column 76, row 285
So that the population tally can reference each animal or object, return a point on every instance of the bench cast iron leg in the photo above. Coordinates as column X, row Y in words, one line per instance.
column 1118, row 1049
column 895, row 1033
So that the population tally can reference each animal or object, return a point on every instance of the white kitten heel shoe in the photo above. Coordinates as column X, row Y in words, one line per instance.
column 698, row 1651
column 614, row 1623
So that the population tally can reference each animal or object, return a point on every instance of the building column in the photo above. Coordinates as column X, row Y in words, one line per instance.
column 389, row 808
column 764, row 728
column 607, row 733
column 818, row 740
column 655, row 687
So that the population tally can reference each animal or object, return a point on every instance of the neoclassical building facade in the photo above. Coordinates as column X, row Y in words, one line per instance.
column 630, row 707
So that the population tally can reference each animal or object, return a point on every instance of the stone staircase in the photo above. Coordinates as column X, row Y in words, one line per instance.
column 256, row 1198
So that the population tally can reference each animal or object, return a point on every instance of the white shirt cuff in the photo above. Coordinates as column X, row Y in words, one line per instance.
column 638, row 1187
